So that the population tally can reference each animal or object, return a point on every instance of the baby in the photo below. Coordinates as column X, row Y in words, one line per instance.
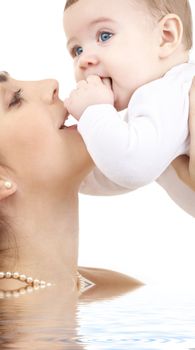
column 131, row 55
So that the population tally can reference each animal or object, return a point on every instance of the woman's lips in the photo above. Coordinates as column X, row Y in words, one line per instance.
column 70, row 123
column 68, row 127
column 72, row 127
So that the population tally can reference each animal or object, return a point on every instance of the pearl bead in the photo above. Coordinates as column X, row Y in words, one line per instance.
column 15, row 294
column 8, row 184
column 36, row 282
column 22, row 278
column 22, row 291
column 16, row 275
column 29, row 280
column 8, row 274
column 2, row 295
column 42, row 283
column 31, row 284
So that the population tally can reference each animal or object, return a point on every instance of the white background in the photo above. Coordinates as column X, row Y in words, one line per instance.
column 144, row 233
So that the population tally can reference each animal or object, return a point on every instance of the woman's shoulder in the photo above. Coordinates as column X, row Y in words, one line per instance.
column 107, row 283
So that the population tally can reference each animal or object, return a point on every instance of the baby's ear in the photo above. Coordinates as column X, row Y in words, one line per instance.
column 7, row 188
column 171, row 33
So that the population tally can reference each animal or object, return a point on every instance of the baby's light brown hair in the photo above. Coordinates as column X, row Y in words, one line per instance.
column 160, row 8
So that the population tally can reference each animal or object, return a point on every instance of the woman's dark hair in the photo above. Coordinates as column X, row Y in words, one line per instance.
column 8, row 244
column 69, row 3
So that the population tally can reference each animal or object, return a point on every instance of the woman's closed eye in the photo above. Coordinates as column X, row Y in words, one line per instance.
column 16, row 98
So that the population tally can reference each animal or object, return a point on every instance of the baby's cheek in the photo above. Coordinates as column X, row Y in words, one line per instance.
column 77, row 74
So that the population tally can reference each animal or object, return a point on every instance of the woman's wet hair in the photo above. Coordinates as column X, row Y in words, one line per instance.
column 8, row 244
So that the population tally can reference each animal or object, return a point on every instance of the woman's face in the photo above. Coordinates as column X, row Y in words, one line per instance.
column 34, row 145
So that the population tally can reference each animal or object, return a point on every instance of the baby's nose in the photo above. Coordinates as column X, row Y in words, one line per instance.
column 87, row 60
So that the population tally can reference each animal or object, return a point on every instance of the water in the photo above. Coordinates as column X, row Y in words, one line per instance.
column 148, row 318
column 151, row 317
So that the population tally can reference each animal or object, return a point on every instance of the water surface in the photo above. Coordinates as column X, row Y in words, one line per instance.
column 151, row 317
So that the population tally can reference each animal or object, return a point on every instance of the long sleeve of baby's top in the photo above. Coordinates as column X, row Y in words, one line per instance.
column 136, row 150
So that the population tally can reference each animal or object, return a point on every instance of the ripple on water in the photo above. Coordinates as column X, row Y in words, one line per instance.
column 150, row 318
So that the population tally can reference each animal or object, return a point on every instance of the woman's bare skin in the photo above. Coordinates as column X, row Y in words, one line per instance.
column 184, row 165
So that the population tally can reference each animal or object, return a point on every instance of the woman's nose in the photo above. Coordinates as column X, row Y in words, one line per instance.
column 50, row 90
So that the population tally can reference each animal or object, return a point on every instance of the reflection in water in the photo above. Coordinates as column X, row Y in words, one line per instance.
column 43, row 320
column 147, row 318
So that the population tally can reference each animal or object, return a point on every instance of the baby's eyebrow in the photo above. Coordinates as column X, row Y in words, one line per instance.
column 4, row 76
column 101, row 19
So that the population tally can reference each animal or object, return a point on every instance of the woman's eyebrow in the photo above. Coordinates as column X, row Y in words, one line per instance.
column 4, row 76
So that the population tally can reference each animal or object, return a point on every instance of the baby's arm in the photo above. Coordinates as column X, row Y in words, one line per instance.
column 91, row 91
column 184, row 165
column 135, row 151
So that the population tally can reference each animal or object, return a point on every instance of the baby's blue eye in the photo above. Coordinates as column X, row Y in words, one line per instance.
column 104, row 36
column 78, row 51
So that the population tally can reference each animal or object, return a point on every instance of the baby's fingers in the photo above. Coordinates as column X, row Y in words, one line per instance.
column 81, row 84
column 66, row 104
column 66, row 113
column 69, row 101
column 94, row 79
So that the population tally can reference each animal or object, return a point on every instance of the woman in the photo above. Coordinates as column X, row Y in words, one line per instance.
column 179, row 179
column 42, row 166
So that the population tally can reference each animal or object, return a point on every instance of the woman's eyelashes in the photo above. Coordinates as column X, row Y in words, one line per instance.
column 102, row 37
column 16, row 98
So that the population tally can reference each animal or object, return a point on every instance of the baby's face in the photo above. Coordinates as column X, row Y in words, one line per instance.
column 113, row 39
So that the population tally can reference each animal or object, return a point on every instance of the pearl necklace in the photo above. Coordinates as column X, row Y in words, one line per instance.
column 83, row 284
column 23, row 278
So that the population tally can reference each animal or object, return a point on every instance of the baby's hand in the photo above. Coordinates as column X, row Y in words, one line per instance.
column 91, row 91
